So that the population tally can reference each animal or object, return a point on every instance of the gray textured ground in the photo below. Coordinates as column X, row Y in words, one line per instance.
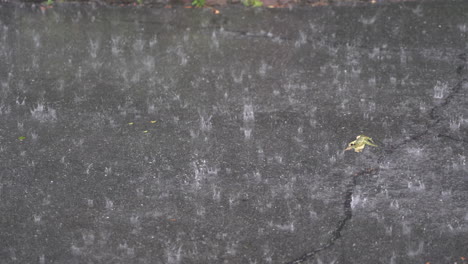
column 245, row 161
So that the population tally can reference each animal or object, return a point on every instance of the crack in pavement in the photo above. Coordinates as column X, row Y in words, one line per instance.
column 348, row 214
column 453, row 138
column 248, row 34
column 434, row 120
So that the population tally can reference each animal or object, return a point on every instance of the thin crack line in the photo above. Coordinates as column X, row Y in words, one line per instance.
column 435, row 120
column 348, row 214
column 336, row 234
column 248, row 34
column 453, row 138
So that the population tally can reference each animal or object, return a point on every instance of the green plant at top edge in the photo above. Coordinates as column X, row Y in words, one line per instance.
column 198, row 3
column 49, row 2
column 252, row 3
column 140, row 2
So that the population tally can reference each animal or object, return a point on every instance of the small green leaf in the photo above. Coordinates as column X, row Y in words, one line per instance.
column 21, row 138
column 252, row 3
column 257, row 3
column 198, row 3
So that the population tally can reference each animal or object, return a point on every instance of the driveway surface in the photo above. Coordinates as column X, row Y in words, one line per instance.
column 144, row 135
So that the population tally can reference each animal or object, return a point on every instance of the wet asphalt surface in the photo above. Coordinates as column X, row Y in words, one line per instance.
column 144, row 135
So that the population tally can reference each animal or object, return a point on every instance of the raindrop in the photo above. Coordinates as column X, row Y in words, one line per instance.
column 138, row 45
column 37, row 218
column 248, row 113
column 109, row 204
column 214, row 40
column 439, row 90
column 302, row 40
column 93, row 49
column 115, row 45
column 416, row 252
column 153, row 41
